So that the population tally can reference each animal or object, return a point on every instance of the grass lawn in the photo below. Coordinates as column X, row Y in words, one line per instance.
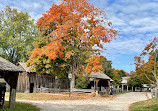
column 48, row 96
column 149, row 105
column 54, row 96
column 20, row 107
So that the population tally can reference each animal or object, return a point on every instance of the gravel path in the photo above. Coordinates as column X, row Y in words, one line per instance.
column 119, row 103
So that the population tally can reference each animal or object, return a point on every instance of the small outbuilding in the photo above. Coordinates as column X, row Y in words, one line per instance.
column 99, row 80
column 10, row 73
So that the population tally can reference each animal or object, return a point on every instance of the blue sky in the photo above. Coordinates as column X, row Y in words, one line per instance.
column 137, row 21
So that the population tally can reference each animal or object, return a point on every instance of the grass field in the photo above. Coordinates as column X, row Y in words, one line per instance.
column 48, row 96
column 20, row 107
column 149, row 105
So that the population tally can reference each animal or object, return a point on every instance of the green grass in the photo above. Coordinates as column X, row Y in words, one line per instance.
column 20, row 107
column 149, row 105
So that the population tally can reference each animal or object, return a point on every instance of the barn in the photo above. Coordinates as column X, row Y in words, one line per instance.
column 30, row 82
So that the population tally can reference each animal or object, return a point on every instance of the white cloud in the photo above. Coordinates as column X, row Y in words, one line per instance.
column 147, row 21
column 118, row 22
column 133, row 16
column 126, row 46
column 129, row 45
column 36, row 5
column 32, row 5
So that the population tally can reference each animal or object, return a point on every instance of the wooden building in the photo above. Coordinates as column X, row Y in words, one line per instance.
column 10, row 72
column 30, row 82
column 99, row 80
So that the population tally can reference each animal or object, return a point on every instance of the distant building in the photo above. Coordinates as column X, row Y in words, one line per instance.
column 124, row 80
column 124, row 83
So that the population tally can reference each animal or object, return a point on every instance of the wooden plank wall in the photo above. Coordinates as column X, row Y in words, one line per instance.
column 23, row 82
column 39, row 81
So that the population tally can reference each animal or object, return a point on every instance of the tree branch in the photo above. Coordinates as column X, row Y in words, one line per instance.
column 148, row 78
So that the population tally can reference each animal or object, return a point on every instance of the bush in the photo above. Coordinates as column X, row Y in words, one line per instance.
column 82, row 81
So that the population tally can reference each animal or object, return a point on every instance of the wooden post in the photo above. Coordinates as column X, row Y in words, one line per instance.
column 118, row 89
column 122, row 87
column 109, row 83
column 12, row 97
column 132, row 88
column 12, row 78
column 97, row 80
column 94, row 85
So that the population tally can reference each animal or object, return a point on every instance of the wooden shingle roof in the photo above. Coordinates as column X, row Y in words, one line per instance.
column 100, row 76
column 24, row 66
column 8, row 66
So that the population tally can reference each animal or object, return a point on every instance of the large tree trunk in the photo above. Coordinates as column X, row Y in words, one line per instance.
column 72, row 83
column 155, row 92
column 156, row 88
column 74, row 70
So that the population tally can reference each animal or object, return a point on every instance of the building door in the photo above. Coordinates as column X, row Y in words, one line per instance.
column 31, row 87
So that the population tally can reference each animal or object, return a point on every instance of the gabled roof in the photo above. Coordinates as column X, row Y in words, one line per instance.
column 124, row 80
column 99, row 76
column 5, row 65
column 23, row 65
column 145, row 85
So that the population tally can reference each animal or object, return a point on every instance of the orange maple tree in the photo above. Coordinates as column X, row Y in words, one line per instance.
column 149, row 68
column 94, row 64
column 69, row 31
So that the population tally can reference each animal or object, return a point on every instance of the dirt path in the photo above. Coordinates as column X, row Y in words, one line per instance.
column 120, row 103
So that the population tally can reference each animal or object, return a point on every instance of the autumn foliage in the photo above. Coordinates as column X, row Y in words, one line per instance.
column 71, row 30
column 53, row 50
column 148, row 68
column 94, row 64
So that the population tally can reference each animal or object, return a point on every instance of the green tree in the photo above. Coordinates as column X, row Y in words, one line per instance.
column 122, row 73
column 107, row 67
column 17, row 34
column 82, row 81
column 135, row 81
column 116, row 76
